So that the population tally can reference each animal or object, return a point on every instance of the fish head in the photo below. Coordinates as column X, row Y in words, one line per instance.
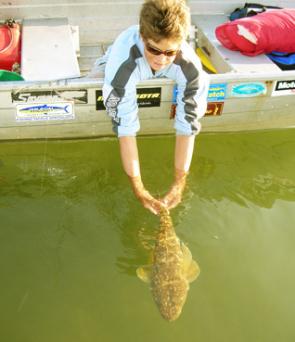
column 170, row 283
column 171, row 301
column 169, row 290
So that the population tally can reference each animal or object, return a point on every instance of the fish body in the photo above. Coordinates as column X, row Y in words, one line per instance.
column 171, row 271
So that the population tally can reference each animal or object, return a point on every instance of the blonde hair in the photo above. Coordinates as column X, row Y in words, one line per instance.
column 164, row 19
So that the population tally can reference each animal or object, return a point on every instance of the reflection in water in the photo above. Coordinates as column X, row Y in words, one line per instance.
column 260, row 189
column 264, row 190
column 246, row 168
column 171, row 271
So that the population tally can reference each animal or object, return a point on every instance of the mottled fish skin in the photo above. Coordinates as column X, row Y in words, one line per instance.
column 171, row 271
column 169, row 284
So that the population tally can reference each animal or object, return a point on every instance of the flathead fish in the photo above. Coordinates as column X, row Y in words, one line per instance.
column 171, row 271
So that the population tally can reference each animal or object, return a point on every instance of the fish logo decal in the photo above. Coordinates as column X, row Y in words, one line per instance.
column 171, row 271
column 45, row 111
column 46, row 108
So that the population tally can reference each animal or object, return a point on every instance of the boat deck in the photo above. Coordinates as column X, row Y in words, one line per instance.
column 235, row 61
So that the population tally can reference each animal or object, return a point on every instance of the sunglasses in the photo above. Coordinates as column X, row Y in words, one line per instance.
column 156, row 52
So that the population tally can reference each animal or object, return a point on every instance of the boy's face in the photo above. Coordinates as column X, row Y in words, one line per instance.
column 161, row 54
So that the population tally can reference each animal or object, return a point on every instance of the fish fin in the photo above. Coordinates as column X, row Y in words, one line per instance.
column 151, row 259
column 190, row 265
column 144, row 273
column 193, row 271
column 187, row 256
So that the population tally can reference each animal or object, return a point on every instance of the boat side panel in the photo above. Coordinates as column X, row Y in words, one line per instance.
column 239, row 114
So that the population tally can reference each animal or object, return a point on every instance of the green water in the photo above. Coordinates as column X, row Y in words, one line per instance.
column 72, row 235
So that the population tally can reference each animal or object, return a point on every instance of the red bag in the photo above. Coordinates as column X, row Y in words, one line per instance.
column 10, row 45
column 273, row 30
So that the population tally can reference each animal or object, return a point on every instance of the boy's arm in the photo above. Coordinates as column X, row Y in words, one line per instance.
column 183, row 155
column 192, row 90
column 130, row 161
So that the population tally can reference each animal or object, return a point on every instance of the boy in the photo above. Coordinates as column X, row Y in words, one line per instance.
column 156, row 48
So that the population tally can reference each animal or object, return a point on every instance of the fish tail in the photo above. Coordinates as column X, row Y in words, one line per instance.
column 165, row 218
column 164, row 212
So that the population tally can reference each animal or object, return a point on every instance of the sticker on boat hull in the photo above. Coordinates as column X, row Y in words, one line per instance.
column 217, row 92
column 284, row 88
column 248, row 89
column 45, row 111
column 214, row 108
column 78, row 96
column 146, row 97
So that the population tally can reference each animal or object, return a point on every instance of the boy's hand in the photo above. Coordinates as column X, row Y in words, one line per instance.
column 147, row 200
column 150, row 203
column 174, row 195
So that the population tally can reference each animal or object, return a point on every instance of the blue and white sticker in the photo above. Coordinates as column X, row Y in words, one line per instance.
column 217, row 92
column 248, row 89
column 45, row 111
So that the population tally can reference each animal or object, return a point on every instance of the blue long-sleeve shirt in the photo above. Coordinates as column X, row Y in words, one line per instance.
column 126, row 66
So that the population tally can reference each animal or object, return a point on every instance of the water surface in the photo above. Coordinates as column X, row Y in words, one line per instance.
column 72, row 235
